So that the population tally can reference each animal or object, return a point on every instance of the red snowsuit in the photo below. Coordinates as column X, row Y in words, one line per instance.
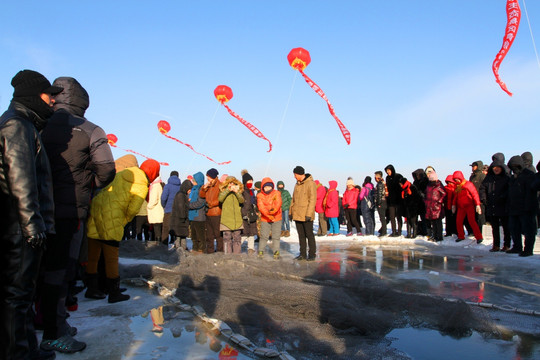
column 466, row 199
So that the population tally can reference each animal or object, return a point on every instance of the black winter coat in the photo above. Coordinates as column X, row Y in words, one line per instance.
column 180, row 210
column 477, row 177
column 521, row 192
column 413, row 202
column 78, row 151
column 394, row 187
column 380, row 194
column 26, row 193
column 494, row 192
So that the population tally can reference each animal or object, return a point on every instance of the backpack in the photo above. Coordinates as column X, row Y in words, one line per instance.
column 370, row 199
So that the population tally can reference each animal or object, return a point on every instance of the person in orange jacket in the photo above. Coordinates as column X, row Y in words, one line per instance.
column 465, row 202
column 269, row 204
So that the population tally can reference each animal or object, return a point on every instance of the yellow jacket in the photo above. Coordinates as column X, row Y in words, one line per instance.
column 116, row 205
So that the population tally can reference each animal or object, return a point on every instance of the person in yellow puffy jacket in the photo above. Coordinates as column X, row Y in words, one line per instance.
column 111, row 209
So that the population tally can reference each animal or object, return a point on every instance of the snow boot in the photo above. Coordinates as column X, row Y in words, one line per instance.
column 115, row 295
column 92, row 291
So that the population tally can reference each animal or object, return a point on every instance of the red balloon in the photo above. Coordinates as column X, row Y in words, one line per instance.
column 299, row 58
column 163, row 126
column 112, row 139
column 223, row 93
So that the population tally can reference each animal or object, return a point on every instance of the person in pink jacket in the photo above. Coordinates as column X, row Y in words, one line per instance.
column 350, row 203
column 319, row 209
column 465, row 202
column 331, row 208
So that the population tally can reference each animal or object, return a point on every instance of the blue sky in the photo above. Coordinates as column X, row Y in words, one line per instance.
column 411, row 80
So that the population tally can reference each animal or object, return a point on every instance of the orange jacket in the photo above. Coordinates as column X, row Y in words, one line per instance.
column 269, row 204
column 210, row 192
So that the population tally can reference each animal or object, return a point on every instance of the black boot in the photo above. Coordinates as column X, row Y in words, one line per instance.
column 92, row 292
column 115, row 295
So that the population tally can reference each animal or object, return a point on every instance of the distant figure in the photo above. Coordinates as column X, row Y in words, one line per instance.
column 285, row 206
column 210, row 192
column 331, row 208
column 381, row 193
column 231, row 198
column 434, row 204
column 269, row 203
column 465, row 203
column 249, row 212
column 167, row 200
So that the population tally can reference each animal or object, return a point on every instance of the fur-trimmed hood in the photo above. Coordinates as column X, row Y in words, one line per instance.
column 231, row 179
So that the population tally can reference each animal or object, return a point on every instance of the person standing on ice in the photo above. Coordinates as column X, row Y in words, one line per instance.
column 269, row 203
column 111, row 209
column 434, row 205
column 331, row 208
column 381, row 193
column 180, row 215
column 394, row 200
column 350, row 203
column 210, row 192
column 522, row 204
column 303, row 212
column 154, row 208
column 494, row 196
column 81, row 160
column 167, row 199
column 231, row 198
column 323, row 221
column 450, row 217
column 249, row 211
column 465, row 202
column 367, row 205
column 413, row 205
column 27, row 210
column 197, row 215
column 285, row 206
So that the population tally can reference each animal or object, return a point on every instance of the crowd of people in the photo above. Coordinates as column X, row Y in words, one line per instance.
column 67, row 205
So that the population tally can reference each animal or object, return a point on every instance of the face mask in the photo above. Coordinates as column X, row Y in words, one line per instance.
column 249, row 185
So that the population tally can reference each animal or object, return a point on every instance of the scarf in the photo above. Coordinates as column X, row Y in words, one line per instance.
column 38, row 106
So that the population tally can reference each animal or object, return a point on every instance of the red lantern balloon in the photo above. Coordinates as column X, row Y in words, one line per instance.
column 112, row 139
column 223, row 93
column 299, row 59
column 112, row 142
column 164, row 127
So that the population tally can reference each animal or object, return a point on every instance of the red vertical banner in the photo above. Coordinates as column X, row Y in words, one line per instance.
column 513, row 17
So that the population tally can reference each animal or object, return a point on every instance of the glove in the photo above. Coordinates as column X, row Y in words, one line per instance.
column 478, row 210
column 37, row 241
column 453, row 209
column 308, row 218
column 346, row 206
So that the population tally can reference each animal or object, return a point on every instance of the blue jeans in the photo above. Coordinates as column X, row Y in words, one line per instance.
column 285, row 225
column 333, row 225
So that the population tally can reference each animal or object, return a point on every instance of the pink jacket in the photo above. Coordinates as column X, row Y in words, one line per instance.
column 350, row 197
column 321, row 192
column 332, row 201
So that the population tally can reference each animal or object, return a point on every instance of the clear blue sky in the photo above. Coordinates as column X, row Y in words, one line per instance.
column 411, row 80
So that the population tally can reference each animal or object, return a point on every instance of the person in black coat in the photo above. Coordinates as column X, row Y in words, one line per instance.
column 413, row 205
column 522, row 207
column 395, row 201
column 26, row 211
column 493, row 195
column 420, row 181
column 380, row 201
column 81, row 161
column 180, row 215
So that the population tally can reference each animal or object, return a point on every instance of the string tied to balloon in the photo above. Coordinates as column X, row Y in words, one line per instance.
column 113, row 139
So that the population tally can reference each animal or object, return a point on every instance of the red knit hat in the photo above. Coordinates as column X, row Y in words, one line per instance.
column 151, row 169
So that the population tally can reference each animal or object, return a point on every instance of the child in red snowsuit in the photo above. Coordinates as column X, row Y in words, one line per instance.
column 466, row 201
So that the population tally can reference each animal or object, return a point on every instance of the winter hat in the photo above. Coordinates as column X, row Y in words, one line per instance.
column 350, row 181
column 151, row 169
column 245, row 176
column 429, row 169
column 433, row 176
column 32, row 83
column 299, row 170
column 280, row 183
column 258, row 185
column 212, row 173
column 317, row 182
column 224, row 177
column 174, row 173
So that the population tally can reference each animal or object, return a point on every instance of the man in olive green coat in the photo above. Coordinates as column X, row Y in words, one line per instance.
column 302, row 211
